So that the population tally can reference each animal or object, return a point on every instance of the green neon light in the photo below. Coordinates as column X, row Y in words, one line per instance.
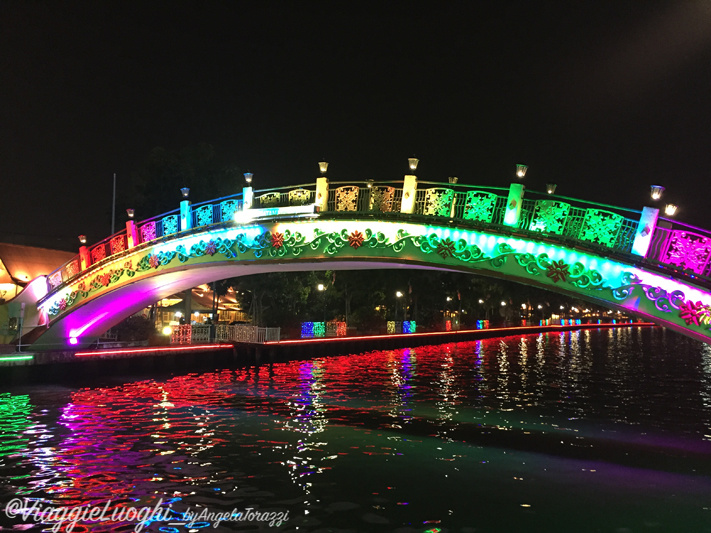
column 17, row 358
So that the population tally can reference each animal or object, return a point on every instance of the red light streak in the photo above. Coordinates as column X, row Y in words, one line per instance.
column 150, row 350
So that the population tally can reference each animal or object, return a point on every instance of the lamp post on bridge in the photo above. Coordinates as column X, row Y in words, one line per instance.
column 322, row 289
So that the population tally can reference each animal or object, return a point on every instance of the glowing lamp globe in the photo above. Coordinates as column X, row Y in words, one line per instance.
column 413, row 162
column 670, row 210
column 521, row 170
column 657, row 191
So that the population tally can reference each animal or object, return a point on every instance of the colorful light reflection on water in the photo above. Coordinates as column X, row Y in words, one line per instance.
column 578, row 431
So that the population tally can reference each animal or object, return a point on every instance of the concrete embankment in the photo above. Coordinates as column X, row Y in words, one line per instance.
column 59, row 366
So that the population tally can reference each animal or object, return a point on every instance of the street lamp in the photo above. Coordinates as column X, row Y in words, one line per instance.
column 82, row 239
column 248, row 177
column 550, row 188
column 453, row 179
column 321, row 288
column 323, row 167
column 413, row 162
column 185, row 191
column 670, row 210
column 130, row 213
column 657, row 191
column 521, row 170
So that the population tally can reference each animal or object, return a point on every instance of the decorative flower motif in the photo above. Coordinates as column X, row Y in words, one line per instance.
column 705, row 315
column 277, row 239
column 557, row 271
column 128, row 265
column 211, row 248
column 105, row 279
column 153, row 261
column 694, row 312
column 82, row 286
column 445, row 248
column 356, row 239
column 62, row 304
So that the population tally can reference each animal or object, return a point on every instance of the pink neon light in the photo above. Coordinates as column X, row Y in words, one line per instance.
column 155, row 350
column 73, row 341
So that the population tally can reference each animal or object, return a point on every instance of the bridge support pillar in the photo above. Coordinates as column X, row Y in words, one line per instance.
column 185, row 218
column 513, row 205
column 645, row 230
column 84, row 258
column 247, row 198
column 409, row 194
column 322, row 194
column 131, row 234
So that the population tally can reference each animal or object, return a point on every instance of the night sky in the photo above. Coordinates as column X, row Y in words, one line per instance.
column 602, row 97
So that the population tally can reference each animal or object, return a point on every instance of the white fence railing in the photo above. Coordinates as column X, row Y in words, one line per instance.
column 187, row 334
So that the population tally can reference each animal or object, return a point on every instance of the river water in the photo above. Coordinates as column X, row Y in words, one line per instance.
column 587, row 431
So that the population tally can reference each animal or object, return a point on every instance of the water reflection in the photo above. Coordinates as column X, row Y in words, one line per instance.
column 358, row 442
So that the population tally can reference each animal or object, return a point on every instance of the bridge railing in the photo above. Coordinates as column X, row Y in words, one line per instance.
column 198, row 334
column 684, row 248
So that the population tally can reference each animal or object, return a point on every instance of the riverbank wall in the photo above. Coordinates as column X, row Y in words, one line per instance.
column 157, row 361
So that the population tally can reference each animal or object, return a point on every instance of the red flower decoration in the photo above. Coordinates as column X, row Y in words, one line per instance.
column 277, row 239
column 356, row 239
column 445, row 248
column 211, row 248
column 153, row 261
column 105, row 279
column 82, row 286
column 62, row 304
column 557, row 271
column 692, row 312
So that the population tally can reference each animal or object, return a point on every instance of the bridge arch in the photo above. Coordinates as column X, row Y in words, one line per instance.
column 102, row 296
column 650, row 267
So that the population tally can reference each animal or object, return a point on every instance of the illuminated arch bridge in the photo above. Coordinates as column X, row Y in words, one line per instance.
column 627, row 260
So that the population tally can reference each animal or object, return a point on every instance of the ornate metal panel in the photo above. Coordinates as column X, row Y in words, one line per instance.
column 687, row 250
column 479, row 206
column 55, row 280
column 347, row 198
column 71, row 269
column 271, row 199
column 200, row 333
column 381, row 199
column 118, row 244
column 438, row 202
column 148, row 232
column 227, row 210
column 98, row 253
column 170, row 225
column 203, row 215
column 600, row 227
column 299, row 197
column 549, row 216
column 181, row 334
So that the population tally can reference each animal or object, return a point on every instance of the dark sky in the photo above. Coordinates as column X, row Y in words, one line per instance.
column 602, row 97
